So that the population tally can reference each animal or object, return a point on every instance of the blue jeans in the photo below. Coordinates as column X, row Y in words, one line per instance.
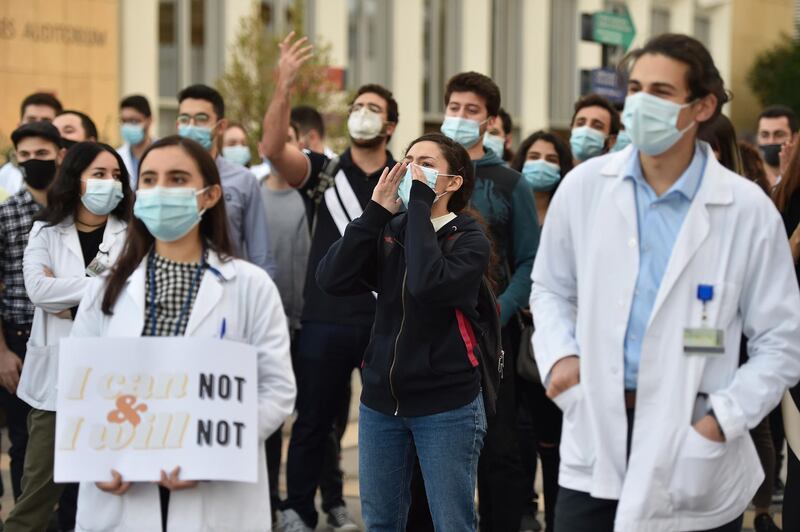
column 448, row 446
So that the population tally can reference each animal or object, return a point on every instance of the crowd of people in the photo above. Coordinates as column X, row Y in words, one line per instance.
column 620, row 307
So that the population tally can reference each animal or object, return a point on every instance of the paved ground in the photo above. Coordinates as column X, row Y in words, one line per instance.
column 349, row 465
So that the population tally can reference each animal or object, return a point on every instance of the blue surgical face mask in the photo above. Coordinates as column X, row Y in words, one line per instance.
column 133, row 134
column 496, row 143
column 431, row 175
column 586, row 142
column 652, row 122
column 542, row 175
column 462, row 130
column 102, row 195
column 201, row 135
column 237, row 154
column 168, row 213
column 623, row 141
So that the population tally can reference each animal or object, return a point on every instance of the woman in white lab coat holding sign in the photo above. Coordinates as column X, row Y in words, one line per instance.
column 180, row 235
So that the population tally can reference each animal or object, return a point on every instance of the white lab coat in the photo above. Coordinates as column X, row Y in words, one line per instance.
column 246, row 298
column 583, row 282
column 124, row 152
column 58, row 248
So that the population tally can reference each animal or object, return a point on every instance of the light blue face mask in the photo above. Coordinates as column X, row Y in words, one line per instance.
column 586, row 143
column 102, row 195
column 168, row 213
column 237, row 154
column 201, row 135
column 652, row 122
column 431, row 175
column 623, row 141
column 462, row 130
column 496, row 143
column 542, row 175
column 133, row 134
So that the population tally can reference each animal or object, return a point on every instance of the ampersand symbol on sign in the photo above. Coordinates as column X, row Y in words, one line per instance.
column 127, row 410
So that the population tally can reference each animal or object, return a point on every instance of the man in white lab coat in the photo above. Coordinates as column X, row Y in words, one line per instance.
column 653, row 262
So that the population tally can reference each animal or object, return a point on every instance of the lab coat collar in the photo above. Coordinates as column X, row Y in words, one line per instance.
column 217, row 273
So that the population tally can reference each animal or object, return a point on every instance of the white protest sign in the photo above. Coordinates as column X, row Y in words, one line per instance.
column 142, row 405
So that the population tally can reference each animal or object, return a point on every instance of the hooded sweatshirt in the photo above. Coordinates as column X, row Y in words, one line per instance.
column 420, row 360
column 505, row 201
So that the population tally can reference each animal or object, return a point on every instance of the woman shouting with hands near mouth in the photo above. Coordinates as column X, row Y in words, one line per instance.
column 422, row 386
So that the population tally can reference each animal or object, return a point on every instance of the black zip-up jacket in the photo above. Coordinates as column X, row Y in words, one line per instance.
column 422, row 357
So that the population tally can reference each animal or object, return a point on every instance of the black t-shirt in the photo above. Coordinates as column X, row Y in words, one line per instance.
column 319, row 306
column 90, row 243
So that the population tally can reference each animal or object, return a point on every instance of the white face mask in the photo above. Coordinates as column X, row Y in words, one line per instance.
column 364, row 124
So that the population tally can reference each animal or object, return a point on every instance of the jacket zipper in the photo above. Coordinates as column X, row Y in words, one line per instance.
column 396, row 341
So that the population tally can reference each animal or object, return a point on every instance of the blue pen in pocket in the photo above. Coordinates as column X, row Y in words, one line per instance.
column 222, row 329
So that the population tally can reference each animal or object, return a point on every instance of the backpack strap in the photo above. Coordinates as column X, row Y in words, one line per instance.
column 327, row 179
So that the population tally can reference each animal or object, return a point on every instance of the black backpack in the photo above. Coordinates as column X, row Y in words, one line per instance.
column 487, row 333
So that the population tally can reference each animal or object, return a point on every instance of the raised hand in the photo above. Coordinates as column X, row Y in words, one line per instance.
column 293, row 56
column 385, row 192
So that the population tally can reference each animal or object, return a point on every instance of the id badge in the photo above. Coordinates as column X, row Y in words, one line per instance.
column 95, row 268
column 703, row 341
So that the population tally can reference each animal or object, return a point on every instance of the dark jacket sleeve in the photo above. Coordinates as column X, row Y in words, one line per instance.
column 433, row 277
column 351, row 264
column 525, row 232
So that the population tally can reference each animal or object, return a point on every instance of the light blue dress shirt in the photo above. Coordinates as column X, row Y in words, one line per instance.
column 659, row 220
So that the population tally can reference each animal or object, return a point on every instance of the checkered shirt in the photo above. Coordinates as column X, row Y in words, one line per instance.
column 173, row 282
column 16, row 220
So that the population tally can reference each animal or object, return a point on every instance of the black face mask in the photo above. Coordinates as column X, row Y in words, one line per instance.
column 67, row 144
column 39, row 174
column 771, row 153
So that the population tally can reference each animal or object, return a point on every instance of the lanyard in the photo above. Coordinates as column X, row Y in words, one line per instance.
column 151, row 267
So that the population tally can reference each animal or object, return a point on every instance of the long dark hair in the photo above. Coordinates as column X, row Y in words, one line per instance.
column 790, row 182
column 213, row 226
column 64, row 195
column 562, row 149
column 721, row 135
column 458, row 163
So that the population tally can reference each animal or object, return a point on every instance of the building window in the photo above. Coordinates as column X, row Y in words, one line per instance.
column 369, row 47
column 659, row 21
column 702, row 30
column 190, row 50
column 564, row 39
column 442, row 36
column 507, row 52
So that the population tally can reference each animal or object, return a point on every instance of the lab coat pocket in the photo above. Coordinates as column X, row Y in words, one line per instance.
column 575, row 447
column 37, row 384
column 704, row 475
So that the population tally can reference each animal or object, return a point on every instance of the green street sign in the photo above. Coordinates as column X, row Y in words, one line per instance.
column 615, row 29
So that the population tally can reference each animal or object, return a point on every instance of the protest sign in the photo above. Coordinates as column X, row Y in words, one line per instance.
column 142, row 405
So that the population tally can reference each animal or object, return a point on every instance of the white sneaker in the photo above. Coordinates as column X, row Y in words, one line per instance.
column 291, row 522
column 339, row 520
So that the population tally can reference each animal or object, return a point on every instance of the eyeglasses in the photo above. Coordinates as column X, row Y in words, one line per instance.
column 371, row 106
column 200, row 119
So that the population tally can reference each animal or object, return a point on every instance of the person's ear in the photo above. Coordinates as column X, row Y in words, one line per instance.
column 222, row 125
column 455, row 184
column 705, row 108
column 389, row 128
column 210, row 197
column 60, row 156
column 147, row 123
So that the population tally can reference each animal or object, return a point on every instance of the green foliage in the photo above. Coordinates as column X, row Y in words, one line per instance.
column 249, row 79
column 775, row 74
